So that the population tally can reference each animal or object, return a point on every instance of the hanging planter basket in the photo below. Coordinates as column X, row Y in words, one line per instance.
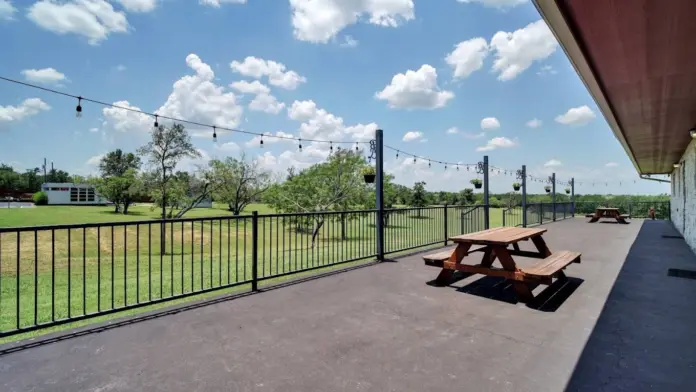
column 369, row 174
column 567, row 191
column 516, row 187
column 548, row 189
column 477, row 183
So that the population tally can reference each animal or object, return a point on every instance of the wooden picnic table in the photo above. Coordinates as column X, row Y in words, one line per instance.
column 608, row 212
column 494, row 244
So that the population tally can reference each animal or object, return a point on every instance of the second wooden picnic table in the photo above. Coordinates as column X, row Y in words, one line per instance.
column 494, row 244
column 608, row 212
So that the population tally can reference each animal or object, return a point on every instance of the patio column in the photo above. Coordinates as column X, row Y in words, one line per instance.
column 523, row 176
column 553, row 194
column 572, row 197
column 379, row 191
column 486, row 207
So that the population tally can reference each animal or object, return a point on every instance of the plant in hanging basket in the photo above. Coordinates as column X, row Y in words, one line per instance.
column 369, row 174
column 567, row 190
column 548, row 188
column 477, row 183
column 516, row 186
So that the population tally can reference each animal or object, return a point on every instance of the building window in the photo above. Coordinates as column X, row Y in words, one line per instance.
column 83, row 194
column 90, row 194
column 73, row 194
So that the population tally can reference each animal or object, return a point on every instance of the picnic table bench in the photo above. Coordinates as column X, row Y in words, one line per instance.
column 608, row 212
column 494, row 244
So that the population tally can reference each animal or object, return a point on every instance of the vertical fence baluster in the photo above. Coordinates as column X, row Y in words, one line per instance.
column 254, row 250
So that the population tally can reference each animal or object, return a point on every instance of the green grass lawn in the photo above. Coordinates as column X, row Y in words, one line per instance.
column 69, row 272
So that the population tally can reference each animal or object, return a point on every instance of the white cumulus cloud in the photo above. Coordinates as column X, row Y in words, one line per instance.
column 452, row 131
column 277, row 73
column 139, row 5
column 415, row 90
column 497, row 142
column 490, row 123
column 29, row 107
column 502, row 4
column 580, row 115
column 552, row 163
column 92, row 19
column 534, row 123
column 516, row 51
column 218, row 3
column 412, row 135
column 7, row 10
column 467, row 57
column 319, row 21
column 44, row 75
column 611, row 164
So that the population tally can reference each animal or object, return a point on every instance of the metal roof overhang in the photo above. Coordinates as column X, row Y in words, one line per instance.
column 638, row 60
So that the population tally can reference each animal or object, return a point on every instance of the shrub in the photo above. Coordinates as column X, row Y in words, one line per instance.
column 40, row 198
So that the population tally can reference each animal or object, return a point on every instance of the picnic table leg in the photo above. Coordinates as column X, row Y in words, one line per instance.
column 445, row 276
column 541, row 246
column 488, row 257
column 596, row 217
column 522, row 289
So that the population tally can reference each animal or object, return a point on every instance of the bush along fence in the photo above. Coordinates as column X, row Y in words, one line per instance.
column 51, row 275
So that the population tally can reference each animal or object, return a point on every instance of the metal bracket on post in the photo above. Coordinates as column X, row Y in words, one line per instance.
column 377, row 150
column 482, row 167
column 522, row 175
column 553, row 194
column 572, row 197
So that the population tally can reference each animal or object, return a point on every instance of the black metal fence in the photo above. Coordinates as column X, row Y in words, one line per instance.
column 537, row 213
column 56, row 274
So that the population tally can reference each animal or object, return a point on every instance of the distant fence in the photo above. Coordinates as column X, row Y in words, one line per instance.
column 635, row 209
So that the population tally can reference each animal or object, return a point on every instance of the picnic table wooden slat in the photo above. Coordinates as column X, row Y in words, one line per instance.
column 499, row 236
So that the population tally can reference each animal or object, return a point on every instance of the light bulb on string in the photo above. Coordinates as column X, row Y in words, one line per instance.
column 156, row 123
column 300, row 145
column 397, row 154
column 261, row 141
column 330, row 147
column 429, row 164
column 457, row 167
column 214, row 134
column 356, row 147
column 414, row 160
column 78, row 109
column 445, row 167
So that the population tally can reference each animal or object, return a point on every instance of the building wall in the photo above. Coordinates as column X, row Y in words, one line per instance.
column 60, row 194
column 683, row 203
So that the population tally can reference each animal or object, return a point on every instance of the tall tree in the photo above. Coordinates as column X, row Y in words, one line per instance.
column 237, row 182
column 466, row 197
column 169, row 145
column 116, row 163
column 335, row 185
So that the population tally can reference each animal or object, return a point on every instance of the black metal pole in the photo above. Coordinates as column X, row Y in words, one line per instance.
column 572, row 197
column 254, row 251
column 486, row 207
column 446, row 233
column 553, row 194
column 524, row 195
column 379, row 192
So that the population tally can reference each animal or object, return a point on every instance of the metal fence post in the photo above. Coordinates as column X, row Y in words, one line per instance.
column 486, row 206
column 379, row 191
column 254, row 250
column 541, row 213
column 553, row 195
column 446, row 234
column 572, row 197
column 524, row 195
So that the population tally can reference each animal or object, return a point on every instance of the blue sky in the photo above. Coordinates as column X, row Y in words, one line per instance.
column 449, row 79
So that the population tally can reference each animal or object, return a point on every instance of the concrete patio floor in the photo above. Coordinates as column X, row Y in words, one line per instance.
column 620, row 324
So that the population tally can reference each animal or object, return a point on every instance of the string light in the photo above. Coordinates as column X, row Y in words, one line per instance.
column 261, row 141
column 397, row 154
column 330, row 147
column 414, row 160
column 78, row 109
column 300, row 145
column 214, row 134
column 356, row 147
column 78, row 113
column 457, row 167
column 156, row 123
column 429, row 164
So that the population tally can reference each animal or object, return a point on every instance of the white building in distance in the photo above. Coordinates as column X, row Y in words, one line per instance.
column 68, row 193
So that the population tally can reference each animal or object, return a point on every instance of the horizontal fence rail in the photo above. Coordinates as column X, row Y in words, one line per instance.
column 56, row 274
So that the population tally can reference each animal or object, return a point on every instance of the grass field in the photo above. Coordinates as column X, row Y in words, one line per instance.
column 70, row 272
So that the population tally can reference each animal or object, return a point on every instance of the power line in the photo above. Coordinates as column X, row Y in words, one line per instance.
column 180, row 120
